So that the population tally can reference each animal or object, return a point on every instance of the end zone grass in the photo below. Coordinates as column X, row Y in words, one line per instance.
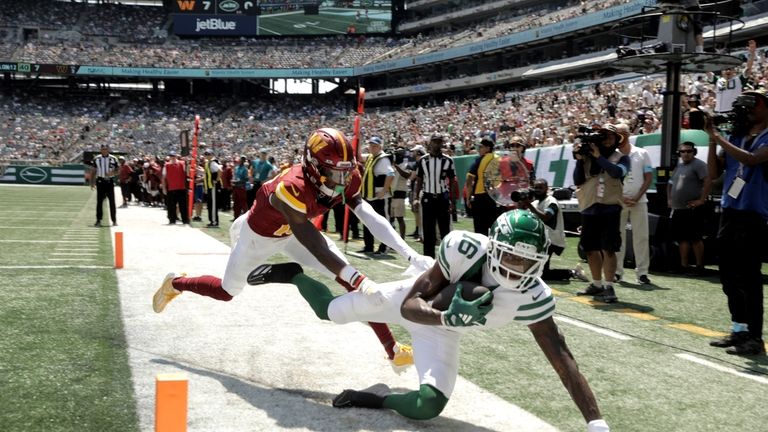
column 63, row 361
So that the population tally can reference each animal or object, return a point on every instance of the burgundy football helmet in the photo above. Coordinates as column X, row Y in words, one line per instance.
column 328, row 161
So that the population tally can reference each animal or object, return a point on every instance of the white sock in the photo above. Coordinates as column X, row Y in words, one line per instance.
column 597, row 283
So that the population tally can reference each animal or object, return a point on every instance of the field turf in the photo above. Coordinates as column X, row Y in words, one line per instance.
column 63, row 358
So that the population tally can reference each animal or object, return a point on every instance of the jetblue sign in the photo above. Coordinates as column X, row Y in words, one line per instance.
column 214, row 25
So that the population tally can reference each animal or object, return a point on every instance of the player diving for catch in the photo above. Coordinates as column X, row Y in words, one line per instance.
column 507, row 265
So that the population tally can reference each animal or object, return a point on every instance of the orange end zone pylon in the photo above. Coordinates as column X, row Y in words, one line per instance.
column 171, row 402
column 118, row 249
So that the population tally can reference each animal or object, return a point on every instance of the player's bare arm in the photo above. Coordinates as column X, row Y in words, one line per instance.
column 552, row 343
column 415, row 307
column 308, row 235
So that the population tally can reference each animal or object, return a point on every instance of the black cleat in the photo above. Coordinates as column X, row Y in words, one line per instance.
column 372, row 397
column 607, row 296
column 592, row 290
column 274, row 273
column 749, row 348
column 733, row 339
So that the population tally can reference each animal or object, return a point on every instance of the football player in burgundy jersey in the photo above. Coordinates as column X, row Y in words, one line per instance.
column 280, row 221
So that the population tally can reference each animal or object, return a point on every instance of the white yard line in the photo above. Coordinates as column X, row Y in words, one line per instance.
column 709, row 364
column 71, row 259
column 38, row 211
column 593, row 328
column 36, row 228
column 74, row 253
column 50, row 241
column 44, row 267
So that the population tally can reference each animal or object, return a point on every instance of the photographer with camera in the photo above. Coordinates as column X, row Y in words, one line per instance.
column 743, row 231
column 600, row 169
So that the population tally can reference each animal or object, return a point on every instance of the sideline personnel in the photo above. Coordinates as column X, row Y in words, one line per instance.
column 105, row 167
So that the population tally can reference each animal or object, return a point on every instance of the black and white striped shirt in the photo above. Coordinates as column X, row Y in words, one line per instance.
column 434, row 173
column 105, row 166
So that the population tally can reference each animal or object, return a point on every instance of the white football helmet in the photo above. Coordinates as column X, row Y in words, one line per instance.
column 517, row 249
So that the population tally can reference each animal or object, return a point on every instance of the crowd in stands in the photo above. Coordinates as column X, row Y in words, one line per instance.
column 135, row 36
column 53, row 130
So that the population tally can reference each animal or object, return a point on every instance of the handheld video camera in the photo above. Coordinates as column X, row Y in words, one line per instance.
column 521, row 194
column 586, row 136
column 737, row 120
column 399, row 154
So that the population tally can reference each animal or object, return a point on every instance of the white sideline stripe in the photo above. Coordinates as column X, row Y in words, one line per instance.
column 71, row 259
column 74, row 253
column 595, row 329
column 391, row 265
column 42, row 267
column 355, row 254
column 49, row 241
column 720, row 368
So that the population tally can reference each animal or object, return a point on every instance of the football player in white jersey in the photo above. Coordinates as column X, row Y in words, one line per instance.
column 509, row 263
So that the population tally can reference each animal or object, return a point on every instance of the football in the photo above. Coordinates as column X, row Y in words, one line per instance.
column 469, row 291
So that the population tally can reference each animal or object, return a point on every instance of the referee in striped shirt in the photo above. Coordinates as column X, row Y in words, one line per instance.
column 104, row 168
column 434, row 174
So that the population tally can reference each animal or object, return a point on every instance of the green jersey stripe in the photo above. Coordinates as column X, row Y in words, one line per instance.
column 475, row 269
column 535, row 317
column 536, row 305
column 443, row 261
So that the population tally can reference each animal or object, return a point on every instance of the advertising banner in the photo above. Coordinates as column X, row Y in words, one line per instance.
column 215, row 25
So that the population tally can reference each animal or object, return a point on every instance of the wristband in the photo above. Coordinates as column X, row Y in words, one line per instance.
column 350, row 275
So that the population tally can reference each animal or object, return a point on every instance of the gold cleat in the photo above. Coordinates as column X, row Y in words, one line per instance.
column 403, row 358
column 165, row 293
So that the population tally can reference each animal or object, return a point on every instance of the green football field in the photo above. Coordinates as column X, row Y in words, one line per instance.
column 330, row 20
column 63, row 354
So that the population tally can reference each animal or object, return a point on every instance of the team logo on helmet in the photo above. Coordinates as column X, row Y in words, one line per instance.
column 328, row 161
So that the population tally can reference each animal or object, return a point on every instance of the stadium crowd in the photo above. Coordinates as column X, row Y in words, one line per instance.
column 134, row 36
column 46, row 128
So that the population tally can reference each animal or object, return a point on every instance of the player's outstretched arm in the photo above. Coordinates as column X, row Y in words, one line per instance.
column 382, row 230
column 552, row 343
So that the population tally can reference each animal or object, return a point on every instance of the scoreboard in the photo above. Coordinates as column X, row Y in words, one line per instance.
column 217, row 7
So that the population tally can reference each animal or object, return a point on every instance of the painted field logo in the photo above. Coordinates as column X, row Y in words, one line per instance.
column 229, row 6
column 33, row 175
